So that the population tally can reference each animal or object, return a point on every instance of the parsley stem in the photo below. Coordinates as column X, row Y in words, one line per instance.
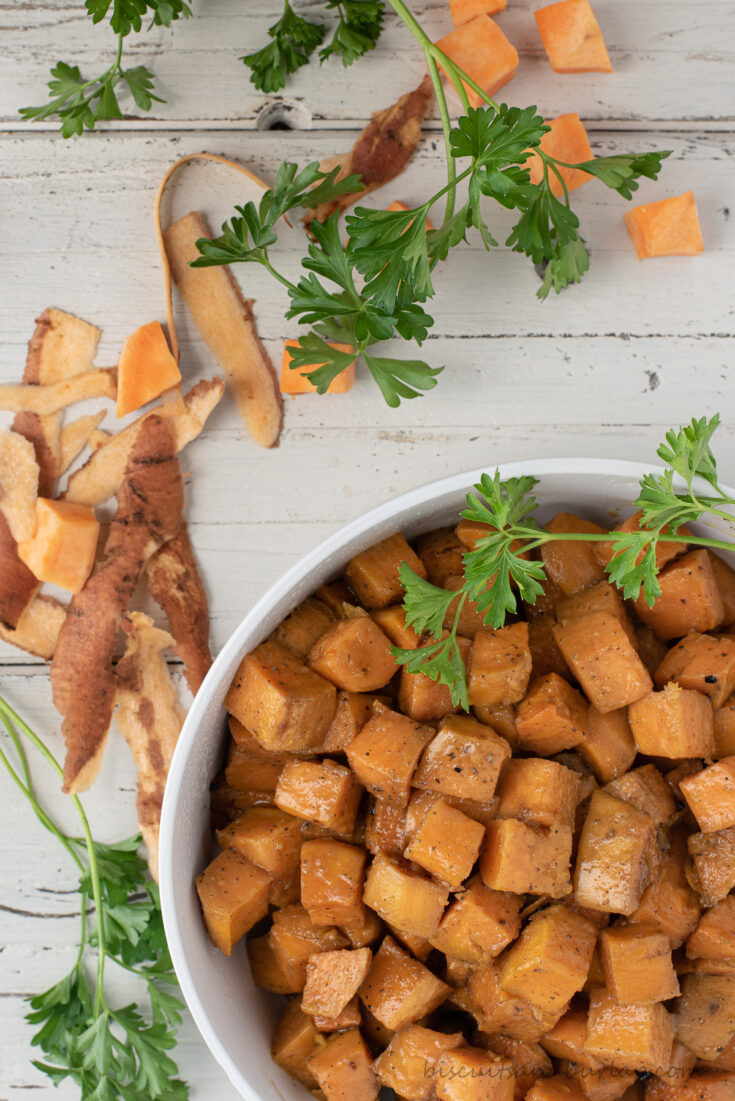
column 441, row 100
column 276, row 274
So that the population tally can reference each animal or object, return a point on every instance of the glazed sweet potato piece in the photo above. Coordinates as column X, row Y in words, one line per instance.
column 607, row 746
column 714, row 937
column 295, row 1040
column 551, row 959
column 500, row 666
column 669, row 227
column 670, row 903
column 713, row 861
column 234, row 896
column 322, row 792
column 407, row 1064
column 637, row 963
column 702, row 662
column 399, row 990
column 307, row 623
column 385, row 753
column 705, row 1013
column 332, row 980
column 332, row 878
column 566, row 1039
column 470, row 1074
column 425, row 699
column 482, row 50
column 645, row 789
column 293, row 938
column 352, row 712
column 541, row 792
column 497, row 1011
column 546, row 657
column 249, row 771
column 463, row 760
column 703, row 1085
column 442, row 553
column 403, row 898
column 725, row 578
column 343, row 1068
column 600, row 597
column 526, row 859
column 636, row 1037
column 385, row 828
column 373, row 574
column 446, row 843
column 268, row 837
column 604, row 661
column 552, row 717
column 676, row 722
column 265, row 968
column 392, row 622
column 572, row 37
column 355, row 655
column 711, row 796
column 350, row 1017
column 570, row 564
column 612, row 869
column 528, row 1061
column 689, row 600
column 556, row 1088
column 724, row 729
column 478, row 924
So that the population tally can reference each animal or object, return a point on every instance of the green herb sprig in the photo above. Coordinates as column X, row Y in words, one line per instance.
column 502, row 567
column 108, row 1052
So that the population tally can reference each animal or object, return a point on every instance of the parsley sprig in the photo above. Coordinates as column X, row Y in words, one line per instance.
column 502, row 566
column 109, row 1052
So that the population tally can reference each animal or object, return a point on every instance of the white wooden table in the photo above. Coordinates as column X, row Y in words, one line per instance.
column 603, row 370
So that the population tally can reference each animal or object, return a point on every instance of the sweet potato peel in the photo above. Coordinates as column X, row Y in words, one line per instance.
column 17, row 583
column 149, row 718
column 149, row 508
column 382, row 150
column 175, row 583
column 29, row 398
column 18, row 484
column 37, row 629
column 75, row 437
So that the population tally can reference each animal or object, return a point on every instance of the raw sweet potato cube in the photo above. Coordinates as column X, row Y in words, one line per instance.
column 689, row 600
column 350, row 1017
column 385, row 828
column 61, row 550
column 714, row 937
column 607, row 746
column 546, row 657
column 669, row 227
column 425, row 699
column 528, row 1061
column 295, row 1040
column 306, row 623
column 497, row 1011
column 392, row 622
column 234, row 896
column 557, row 1088
column 246, row 771
column 713, row 859
column 538, row 791
column 702, row 662
column 265, row 968
column 725, row 578
column 500, row 665
column 446, row 843
column 705, row 1013
column 463, row 760
column 669, row 902
column 479, row 924
column 373, row 574
column 268, row 837
column 645, row 789
column 482, row 50
column 332, row 980
column 385, row 753
column 676, row 722
column 552, row 717
column 403, row 898
column 600, row 597
column 332, row 878
column 470, row 1074
column 464, row 10
column 637, row 963
column 724, row 732
column 711, row 796
column 286, row 705
column 320, row 791
column 355, row 655
column 353, row 711
column 572, row 38
column 442, row 553
column 551, row 959
column 526, row 859
column 566, row 141
column 636, row 1037
column 343, row 1068
column 294, row 938
column 407, row 1064
column 604, row 661
column 399, row 990
column 295, row 380
column 570, row 564
column 612, row 870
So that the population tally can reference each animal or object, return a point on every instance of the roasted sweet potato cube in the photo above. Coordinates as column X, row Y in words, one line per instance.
column 501, row 719
column 399, row 990
column 350, row 1017
column 353, row 711
column 665, row 551
column 705, row 663
column 645, row 789
column 690, row 599
column 286, row 705
column 497, row 1011
column 603, row 1083
column 343, row 1068
column 714, row 937
column 332, row 980
column 546, row 657
column 306, row 623
column 373, row 574
column 604, row 661
column 265, row 968
column 293, row 938
column 601, row 597
column 403, row 898
column 612, row 870
column 332, row 878
column 670, row 903
column 268, row 837
column 295, row 1040
column 637, row 963
column 320, row 791
column 713, row 860
column 392, row 622
column 385, row 753
column 526, row 859
column 355, row 655
column 365, row 931
column 246, row 771
column 479, row 924
column 500, row 666
column 724, row 729
column 566, row 1039
column 703, row 1085
column 419, row 947
column 570, row 564
column 651, row 649
column 442, row 553
column 705, row 1013
column 607, row 746
column 470, row 1074
column 463, row 760
column 676, row 722
column 671, row 1078
column 528, row 1061
column 711, row 796
column 385, row 828
column 407, row 1064
column 446, row 843
column 557, row 1088
column 234, row 896
column 550, row 960
column 427, row 700
column 552, row 717
column 538, row 791
column 725, row 578
column 471, row 619
column 636, row 1037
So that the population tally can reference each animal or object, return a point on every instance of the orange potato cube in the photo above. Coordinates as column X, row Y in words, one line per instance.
column 479, row 924
column 463, row 760
column 711, row 796
column 385, row 828
column 469, row 1074
column 572, row 38
column 350, row 1017
column 295, row 1040
column 651, row 649
column 551, row 959
column 62, row 549
column 251, row 772
column 482, row 50
column 526, row 859
column 403, row 898
column 703, row 663
column 600, row 597
column 264, row 967
column 268, row 837
column 604, row 1083
column 501, row 719
column 145, row 369
column 306, row 623
column 645, row 789
column 392, row 622
column 407, row 1064
column 497, row 1011
column 373, row 574
column 355, row 655
column 607, row 746
column 669, row 903
column 295, row 380
column 674, row 723
column 637, row 963
column 669, row 227
column 343, row 1068
column 464, row 10
column 557, row 1088
column 724, row 732
column 725, row 578
column 442, row 553
column 322, row 792
column 353, row 711
column 528, row 1061
column 286, row 705
column 332, row 980
column 612, row 870
column 690, row 599
column 546, row 657
column 538, row 791
column 425, row 699
column 446, row 843
column 566, row 141
column 604, row 661
column 714, row 937
column 234, row 896
column 500, row 666
column 385, row 753
column 566, row 1039
column 332, row 878
column 570, row 564
column 293, row 938
column 713, row 859
column 705, row 1013
column 364, row 931
column 399, row 990
column 635, row 1037
column 552, row 717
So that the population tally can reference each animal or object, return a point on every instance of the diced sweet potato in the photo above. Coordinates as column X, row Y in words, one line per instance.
column 690, row 599
column 702, row 662
column 478, row 925
column 600, row 597
column 636, row 1037
column 645, row 789
column 603, row 1083
column 680, row 1066
column 398, row 989
column 607, row 746
column 566, row 1039
column 703, row 1085
column 637, row 963
column 332, row 877
column 669, row 227
column 566, row 141
column 705, row 1013
column 501, row 719
column 676, row 722
column 690, row 766
column 300, row 630
column 247, row 771
column 355, row 655
column 557, row 1088
column 550, row 961
column 145, row 369
column 350, row 1017
column 526, row 859
column 500, row 666
column 464, row 10
column 463, row 760
column 546, row 657
column 538, row 791
column 470, row 1074
column 332, row 980
column 665, row 550
column 385, row 828
column 725, row 578
column 407, row 1064
column 286, row 705
column 385, row 753
column 713, row 859
column 446, row 843
column 427, row 700
column 392, row 622
column 322, row 792
column 268, row 837
column 343, row 1068
column 528, row 1061
column 711, row 796
column 612, row 870
column 62, row 549
column 264, row 967
column 442, row 553
column 234, row 896
column 294, row 1042
column 714, row 937
column 353, row 711
column 480, row 48
column 651, row 649
column 669, row 903
column 471, row 619
column 552, row 717
column 570, row 564
column 403, row 898
column 373, row 574
column 604, row 661
column 572, row 38
column 497, row 1011
column 295, row 380
column 293, row 937
column 724, row 729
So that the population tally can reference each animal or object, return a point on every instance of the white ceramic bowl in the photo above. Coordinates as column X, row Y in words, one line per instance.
column 234, row 1017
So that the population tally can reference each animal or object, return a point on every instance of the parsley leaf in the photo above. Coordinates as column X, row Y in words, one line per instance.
column 127, row 15
column 401, row 378
column 622, row 171
column 358, row 30
column 389, row 248
column 328, row 362
column 294, row 40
